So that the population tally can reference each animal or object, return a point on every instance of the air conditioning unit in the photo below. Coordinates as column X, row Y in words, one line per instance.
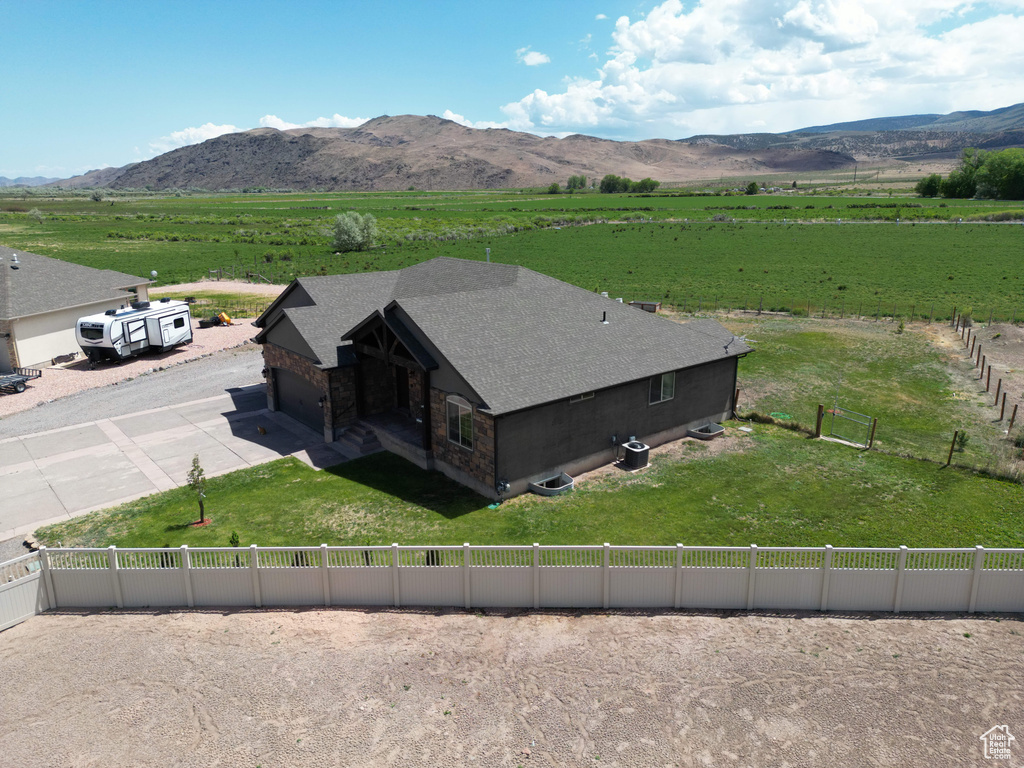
column 636, row 454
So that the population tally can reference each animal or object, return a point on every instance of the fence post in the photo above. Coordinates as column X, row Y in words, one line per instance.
column 971, row 353
column 984, row 360
column 988, row 378
column 114, row 577
column 952, row 317
column 254, row 567
column 977, row 358
column 536, row 576
column 1013, row 418
column 999, row 388
column 394, row 575
column 824, row 577
column 1002, row 411
column 751, row 565
column 874, row 426
column 979, row 563
column 901, row 566
column 465, row 575
column 44, row 564
column 952, row 445
column 606, row 573
column 678, row 596
column 817, row 424
column 325, row 574
column 186, row 575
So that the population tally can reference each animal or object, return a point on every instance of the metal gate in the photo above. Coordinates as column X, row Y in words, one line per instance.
column 850, row 426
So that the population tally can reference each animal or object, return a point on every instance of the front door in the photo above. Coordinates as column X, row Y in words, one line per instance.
column 402, row 388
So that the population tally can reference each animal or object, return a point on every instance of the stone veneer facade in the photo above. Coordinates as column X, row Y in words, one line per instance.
column 338, row 383
column 477, row 464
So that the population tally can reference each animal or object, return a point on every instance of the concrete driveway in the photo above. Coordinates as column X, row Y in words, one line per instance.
column 52, row 476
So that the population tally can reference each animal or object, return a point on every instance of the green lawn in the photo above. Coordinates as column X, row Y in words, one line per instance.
column 774, row 488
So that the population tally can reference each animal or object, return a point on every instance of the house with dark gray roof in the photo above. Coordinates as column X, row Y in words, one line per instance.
column 42, row 298
column 494, row 374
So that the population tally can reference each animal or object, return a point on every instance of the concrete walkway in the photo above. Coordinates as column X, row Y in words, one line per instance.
column 53, row 476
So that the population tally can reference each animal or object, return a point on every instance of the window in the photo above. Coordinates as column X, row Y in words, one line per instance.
column 581, row 398
column 663, row 387
column 179, row 322
column 92, row 334
column 460, row 421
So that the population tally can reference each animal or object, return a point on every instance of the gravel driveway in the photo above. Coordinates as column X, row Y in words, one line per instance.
column 379, row 687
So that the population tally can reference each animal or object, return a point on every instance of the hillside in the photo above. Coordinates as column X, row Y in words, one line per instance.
column 906, row 137
column 395, row 153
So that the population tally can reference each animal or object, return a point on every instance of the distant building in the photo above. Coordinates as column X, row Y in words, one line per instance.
column 491, row 373
column 42, row 298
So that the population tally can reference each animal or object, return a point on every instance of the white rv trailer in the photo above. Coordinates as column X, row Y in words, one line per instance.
column 121, row 333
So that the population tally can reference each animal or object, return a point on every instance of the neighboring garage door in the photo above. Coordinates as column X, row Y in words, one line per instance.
column 298, row 398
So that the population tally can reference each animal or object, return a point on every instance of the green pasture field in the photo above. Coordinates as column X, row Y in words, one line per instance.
column 781, row 251
column 212, row 302
column 772, row 487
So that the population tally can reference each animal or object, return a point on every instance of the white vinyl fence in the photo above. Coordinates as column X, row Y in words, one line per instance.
column 772, row 578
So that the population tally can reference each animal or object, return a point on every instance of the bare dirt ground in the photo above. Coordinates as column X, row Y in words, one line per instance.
column 61, row 381
column 450, row 688
column 221, row 286
column 1002, row 345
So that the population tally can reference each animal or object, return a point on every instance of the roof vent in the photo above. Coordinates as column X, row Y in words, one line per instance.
column 110, row 312
column 604, row 318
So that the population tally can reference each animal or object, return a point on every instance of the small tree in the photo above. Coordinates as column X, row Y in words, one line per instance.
column 554, row 189
column 96, row 196
column 929, row 186
column 36, row 214
column 751, row 188
column 196, row 480
column 576, row 182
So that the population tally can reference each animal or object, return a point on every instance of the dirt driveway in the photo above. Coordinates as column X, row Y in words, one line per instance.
column 450, row 688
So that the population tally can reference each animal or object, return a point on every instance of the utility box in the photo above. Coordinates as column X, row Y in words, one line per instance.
column 636, row 454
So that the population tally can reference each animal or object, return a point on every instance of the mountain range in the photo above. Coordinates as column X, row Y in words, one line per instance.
column 26, row 181
column 399, row 152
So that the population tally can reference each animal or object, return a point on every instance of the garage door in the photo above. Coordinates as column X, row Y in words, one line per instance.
column 298, row 398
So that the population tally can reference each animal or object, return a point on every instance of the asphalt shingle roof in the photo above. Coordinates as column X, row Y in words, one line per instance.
column 517, row 337
column 41, row 284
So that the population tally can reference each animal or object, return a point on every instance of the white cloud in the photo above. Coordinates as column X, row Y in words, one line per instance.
column 455, row 117
column 188, row 136
column 335, row 121
column 736, row 65
column 531, row 58
column 600, row 17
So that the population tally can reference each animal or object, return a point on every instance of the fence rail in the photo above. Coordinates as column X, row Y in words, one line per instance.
column 771, row 578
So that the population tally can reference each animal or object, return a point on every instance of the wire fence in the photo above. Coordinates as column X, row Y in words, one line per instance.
column 876, row 310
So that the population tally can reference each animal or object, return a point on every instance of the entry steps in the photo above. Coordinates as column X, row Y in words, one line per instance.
column 360, row 438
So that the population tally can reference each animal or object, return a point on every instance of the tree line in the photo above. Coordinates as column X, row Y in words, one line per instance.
column 997, row 175
column 609, row 184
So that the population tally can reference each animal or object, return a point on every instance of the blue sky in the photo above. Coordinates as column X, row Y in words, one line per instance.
column 89, row 84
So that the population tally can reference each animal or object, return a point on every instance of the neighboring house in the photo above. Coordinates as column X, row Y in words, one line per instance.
column 490, row 373
column 41, row 299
